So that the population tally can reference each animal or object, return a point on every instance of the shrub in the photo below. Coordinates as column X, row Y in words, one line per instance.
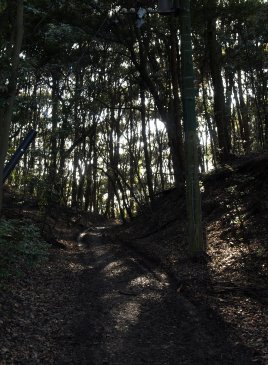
column 21, row 246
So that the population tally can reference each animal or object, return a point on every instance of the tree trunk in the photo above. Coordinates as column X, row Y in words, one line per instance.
column 145, row 145
column 193, row 203
column 214, row 52
column 53, row 140
column 168, row 118
column 7, row 101
column 176, row 133
column 212, row 132
column 244, row 116
column 78, row 86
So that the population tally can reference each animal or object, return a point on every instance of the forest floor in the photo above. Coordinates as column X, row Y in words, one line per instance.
column 129, row 294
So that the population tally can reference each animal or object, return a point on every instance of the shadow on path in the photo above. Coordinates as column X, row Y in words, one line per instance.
column 129, row 313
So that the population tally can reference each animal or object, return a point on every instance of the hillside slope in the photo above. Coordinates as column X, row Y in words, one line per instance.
column 233, row 280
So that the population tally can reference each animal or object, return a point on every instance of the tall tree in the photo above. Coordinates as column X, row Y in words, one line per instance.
column 14, row 12
column 214, row 53
column 193, row 203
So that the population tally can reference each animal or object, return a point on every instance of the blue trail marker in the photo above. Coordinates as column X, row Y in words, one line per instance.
column 18, row 154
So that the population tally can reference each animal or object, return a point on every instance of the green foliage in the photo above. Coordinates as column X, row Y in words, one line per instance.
column 2, row 6
column 62, row 33
column 21, row 246
column 79, row 87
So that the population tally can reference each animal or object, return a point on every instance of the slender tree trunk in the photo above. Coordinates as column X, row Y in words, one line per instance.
column 244, row 115
column 34, row 118
column 62, row 160
column 177, row 133
column 214, row 52
column 7, row 101
column 74, row 179
column 212, row 132
column 78, row 86
column 167, row 118
column 89, row 170
column 160, row 157
column 193, row 203
column 131, row 146
column 145, row 145
column 53, row 140
column 113, row 163
column 94, row 194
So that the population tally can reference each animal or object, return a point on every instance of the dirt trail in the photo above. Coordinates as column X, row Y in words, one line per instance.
column 104, row 304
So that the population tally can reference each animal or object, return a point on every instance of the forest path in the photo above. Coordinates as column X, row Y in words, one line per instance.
column 101, row 303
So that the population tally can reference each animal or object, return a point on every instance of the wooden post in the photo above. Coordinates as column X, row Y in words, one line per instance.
column 193, row 201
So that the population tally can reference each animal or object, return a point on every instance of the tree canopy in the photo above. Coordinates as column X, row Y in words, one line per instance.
column 105, row 97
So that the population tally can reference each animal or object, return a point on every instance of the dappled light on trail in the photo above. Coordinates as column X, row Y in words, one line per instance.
column 128, row 294
column 144, row 281
column 105, row 303
column 114, row 268
column 76, row 267
column 126, row 315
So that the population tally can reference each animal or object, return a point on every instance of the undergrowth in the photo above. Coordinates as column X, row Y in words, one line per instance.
column 21, row 246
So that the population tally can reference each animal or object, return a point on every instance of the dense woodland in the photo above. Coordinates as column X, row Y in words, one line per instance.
column 104, row 85
column 105, row 96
